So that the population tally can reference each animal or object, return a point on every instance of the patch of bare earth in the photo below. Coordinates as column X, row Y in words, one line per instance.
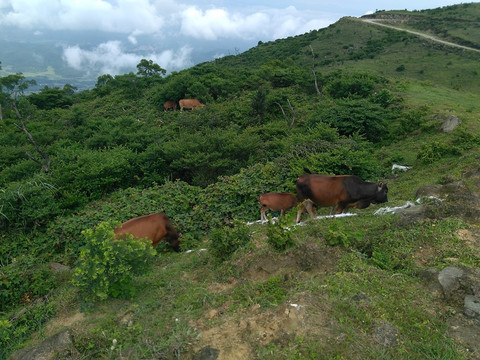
column 239, row 335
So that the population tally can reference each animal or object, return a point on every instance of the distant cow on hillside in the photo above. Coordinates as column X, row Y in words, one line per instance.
column 170, row 104
column 340, row 191
column 276, row 202
column 190, row 104
column 155, row 227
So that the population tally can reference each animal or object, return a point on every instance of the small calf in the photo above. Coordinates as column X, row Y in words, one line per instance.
column 276, row 202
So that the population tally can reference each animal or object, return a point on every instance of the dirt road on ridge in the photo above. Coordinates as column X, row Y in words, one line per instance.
column 430, row 37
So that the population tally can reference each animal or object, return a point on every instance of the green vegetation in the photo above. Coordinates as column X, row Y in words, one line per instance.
column 115, row 154
column 107, row 266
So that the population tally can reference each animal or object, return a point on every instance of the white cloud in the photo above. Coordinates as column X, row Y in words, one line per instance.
column 218, row 23
column 160, row 17
column 266, row 24
column 124, row 16
column 109, row 58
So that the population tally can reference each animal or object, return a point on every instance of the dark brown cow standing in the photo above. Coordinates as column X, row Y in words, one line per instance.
column 276, row 202
column 170, row 104
column 339, row 191
column 155, row 227
column 190, row 104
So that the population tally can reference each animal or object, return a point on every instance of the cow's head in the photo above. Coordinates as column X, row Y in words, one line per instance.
column 381, row 193
column 173, row 238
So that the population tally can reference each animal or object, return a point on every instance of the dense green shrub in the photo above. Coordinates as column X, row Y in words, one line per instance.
column 356, row 85
column 279, row 236
column 85, row 175
column 359, row 116
column 106, row 266
column 435, row 150
column 23, row 280
column 236, row 197
column 346, row 156
column 411, row 120
column 225, row 241
column 28, row 203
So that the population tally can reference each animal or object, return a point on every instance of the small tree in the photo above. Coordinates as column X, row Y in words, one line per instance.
column 314, row 73
column 149, row 69
column 10, row 85
column 45, row 164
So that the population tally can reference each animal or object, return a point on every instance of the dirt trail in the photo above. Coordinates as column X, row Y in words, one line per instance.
column 430, row 37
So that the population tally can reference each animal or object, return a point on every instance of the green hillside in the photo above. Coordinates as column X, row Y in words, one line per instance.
column 354, row 287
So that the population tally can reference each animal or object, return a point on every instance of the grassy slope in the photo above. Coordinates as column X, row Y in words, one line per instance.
column 242, row 307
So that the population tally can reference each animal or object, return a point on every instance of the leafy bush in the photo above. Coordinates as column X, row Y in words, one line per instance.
column 435, row 150
column 89, row 174
column 106, row 266
column 225, row 241
column 279, row 236
column 361, row 116
column 412, row 120
column 239, row 193
column 23, row 280
column 356, row 85
column 335, row 236
column 345, row 156
column 29, row 202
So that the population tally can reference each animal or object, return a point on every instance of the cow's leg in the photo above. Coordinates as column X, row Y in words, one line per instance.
column 334, row 209
column 262, row 214
column 299, row 213
column 309, row 207
column 282, row 212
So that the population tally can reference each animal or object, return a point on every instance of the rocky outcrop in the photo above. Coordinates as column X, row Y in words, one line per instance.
column 442, row 201
column 59, row 346
column 450, row 123
column 460, row 289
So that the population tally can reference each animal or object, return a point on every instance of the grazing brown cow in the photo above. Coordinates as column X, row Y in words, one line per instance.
column 170, row 104
column 276, row 202
column 155, row 227
column 340, row 192
column 190, row 104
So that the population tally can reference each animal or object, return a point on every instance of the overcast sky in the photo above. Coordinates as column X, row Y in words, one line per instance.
column 169, row 32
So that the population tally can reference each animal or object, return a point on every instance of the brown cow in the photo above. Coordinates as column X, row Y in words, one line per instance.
column 340, row 192
column 190, row 104
column 155, row 227
column 276, row 202
column 170, row 104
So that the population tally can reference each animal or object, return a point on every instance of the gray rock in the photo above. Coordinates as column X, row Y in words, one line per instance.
column 386, row 334
column 450, row 123
column 57, row 267
column 449, row 279
column 412, row 213
column 207, row 353
column 472, row 306
column 59, row 344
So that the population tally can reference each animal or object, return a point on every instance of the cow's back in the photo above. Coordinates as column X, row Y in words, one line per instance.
column 154, row 227
column 190, row 104
column 323, row 190
column 278, row 201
